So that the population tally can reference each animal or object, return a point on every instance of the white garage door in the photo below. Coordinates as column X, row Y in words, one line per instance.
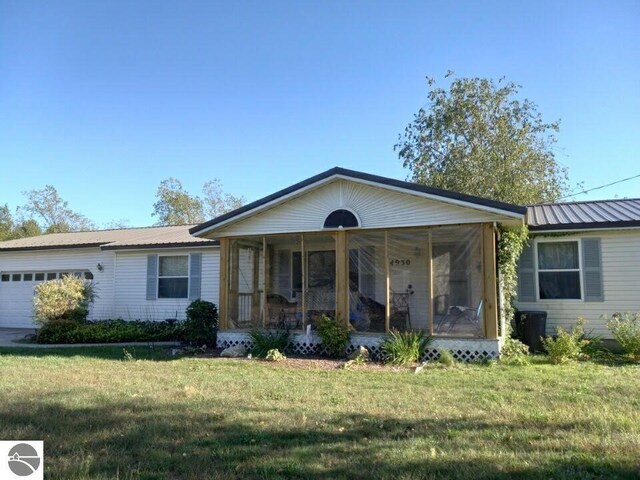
column 16, row 297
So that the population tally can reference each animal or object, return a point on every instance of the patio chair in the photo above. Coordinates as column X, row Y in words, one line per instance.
column 457, row 314
column 283, row 314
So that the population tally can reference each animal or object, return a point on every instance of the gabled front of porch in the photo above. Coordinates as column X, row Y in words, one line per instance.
column 373, row 253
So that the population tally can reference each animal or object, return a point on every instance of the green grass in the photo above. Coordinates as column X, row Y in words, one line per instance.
column 197, row 418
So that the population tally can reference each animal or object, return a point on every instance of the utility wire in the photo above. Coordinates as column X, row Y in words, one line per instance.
column 598, row 188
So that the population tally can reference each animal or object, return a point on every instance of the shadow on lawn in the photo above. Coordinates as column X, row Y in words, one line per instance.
column 107, row 352
column 137, row 440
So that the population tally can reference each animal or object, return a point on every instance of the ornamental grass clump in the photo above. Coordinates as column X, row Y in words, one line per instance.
column 403, row 348
column 66, row 299
column 265, row 341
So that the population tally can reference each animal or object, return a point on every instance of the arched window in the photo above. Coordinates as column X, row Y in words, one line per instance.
column 341, row 218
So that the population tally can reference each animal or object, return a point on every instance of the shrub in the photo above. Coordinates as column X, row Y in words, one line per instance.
column 274, row 355
column 446, row 357
column 266, row 340
column 402, row 348
column 201, row 326
column 566, row 345
column 67, row 298
column 335, row 336
column 108, row 331
column 514, row 352
column 625, row 328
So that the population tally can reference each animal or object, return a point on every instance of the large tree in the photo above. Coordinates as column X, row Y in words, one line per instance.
column 477, row 137
column 6, row 223
column 176, row 206
column 53, row 213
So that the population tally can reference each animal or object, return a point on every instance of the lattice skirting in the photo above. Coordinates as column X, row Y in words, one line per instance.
column 463, row 349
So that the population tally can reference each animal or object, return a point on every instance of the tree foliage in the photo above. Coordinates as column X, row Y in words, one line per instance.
column 176, row 206
column 477, row 137
column 53, row 213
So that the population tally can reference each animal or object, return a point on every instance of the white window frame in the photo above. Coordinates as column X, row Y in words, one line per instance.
column 538, row 270
column 174, row 276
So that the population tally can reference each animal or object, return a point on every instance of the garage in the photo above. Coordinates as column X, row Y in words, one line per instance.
column 16, row 295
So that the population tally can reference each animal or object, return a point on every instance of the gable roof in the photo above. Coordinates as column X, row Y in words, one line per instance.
column 116, row 239
column 585, row 215
column 338, row 172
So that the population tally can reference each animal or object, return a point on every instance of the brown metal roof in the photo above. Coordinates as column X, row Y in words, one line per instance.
column 618, row 213
column 125, row 238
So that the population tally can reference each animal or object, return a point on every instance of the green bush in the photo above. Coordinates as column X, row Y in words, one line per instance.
column 274, row 355
column 108, row 331
column 266, row 340
column 335, row 336
column 67, row 298
column 402, row 348
column 446, row 358
column 566, row 345
column 201, row 326
column 625, row 328
column 514, row 352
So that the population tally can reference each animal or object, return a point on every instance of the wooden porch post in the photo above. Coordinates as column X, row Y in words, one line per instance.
column 234, row 275
column 430, row 282
column 266, row 269
column 342, row 277
column 224, row 283
column 490, row 286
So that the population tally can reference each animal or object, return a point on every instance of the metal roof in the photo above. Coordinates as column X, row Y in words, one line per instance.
column 617, row 213
column 125, row 238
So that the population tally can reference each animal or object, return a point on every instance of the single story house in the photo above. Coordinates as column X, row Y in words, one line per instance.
column 373, row 252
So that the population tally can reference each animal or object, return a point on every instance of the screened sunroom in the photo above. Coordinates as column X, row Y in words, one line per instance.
column 376, row 254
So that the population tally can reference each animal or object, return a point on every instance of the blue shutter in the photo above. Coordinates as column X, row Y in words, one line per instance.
column 152, row 277
column 195, row 276
column 592, row 270
column 527, row 275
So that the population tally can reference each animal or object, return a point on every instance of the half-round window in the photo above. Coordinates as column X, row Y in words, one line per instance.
column 341, row 218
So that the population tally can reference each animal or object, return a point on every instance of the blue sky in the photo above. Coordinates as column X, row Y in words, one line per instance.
column 103, row 100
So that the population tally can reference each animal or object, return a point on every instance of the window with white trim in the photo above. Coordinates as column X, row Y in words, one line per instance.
column 559, row 270
column 173, row 276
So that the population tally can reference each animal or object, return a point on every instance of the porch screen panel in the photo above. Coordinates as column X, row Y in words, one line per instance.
column 284, row 282
column 367, row 282
column 246, row 283
column 319, row 277
column 408, row 257
column 457, row 281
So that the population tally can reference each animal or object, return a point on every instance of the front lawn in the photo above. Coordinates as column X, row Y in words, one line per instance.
column 198, row 418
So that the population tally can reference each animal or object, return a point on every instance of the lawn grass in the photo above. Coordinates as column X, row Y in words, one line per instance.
column 198, row 418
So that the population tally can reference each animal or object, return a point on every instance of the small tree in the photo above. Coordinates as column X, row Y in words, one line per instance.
column 67, row 298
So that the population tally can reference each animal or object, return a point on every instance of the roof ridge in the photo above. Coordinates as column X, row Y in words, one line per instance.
column 634, row 199
column 148, row 227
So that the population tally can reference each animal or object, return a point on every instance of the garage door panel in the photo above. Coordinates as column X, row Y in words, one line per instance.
column 16, row 304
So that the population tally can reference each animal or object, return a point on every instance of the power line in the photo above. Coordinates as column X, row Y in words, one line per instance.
column 601, row 186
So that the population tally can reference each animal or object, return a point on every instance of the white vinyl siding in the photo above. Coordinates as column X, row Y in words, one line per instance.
column 376, row 207
column 131, row 284
column 621, row 284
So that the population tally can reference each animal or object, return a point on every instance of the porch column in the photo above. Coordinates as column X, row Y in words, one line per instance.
column 490, row 287
column 224, row 284
column 342, row 277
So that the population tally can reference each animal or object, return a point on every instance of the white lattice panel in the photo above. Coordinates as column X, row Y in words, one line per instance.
column 464, row 350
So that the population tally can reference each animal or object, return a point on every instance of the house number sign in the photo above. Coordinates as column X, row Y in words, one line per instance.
column 399, row 262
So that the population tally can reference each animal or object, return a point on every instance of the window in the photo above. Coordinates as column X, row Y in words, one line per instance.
column 559, row 270
column 341, row 219
column 28, row 277
column 88, row 276
column 173, row 276
column 51, row 276
column 16, row 277
column 5, row 277
column 39, row 277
